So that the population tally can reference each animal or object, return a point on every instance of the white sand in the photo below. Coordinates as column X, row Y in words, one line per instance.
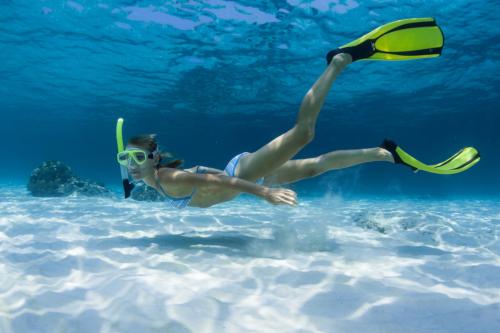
column 109, row 265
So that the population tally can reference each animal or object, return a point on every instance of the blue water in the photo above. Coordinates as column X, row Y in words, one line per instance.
column 372, row 248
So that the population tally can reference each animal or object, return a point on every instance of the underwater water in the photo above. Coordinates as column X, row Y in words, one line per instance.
column 371, row 248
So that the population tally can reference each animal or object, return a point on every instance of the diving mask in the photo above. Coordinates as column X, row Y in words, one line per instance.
column 138, row 155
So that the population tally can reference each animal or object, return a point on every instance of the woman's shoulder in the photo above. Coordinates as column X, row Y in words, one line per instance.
column 192, row 169
column 197, row 169
column 170, row 176
column 166, row 172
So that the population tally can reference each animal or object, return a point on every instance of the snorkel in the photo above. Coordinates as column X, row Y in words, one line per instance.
column 127, row 185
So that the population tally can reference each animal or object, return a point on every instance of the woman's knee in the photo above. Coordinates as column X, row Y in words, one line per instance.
column 315, row 167
column 305, row 133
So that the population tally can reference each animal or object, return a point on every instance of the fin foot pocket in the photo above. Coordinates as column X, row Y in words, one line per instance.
column 391, row 146
column 361, row 51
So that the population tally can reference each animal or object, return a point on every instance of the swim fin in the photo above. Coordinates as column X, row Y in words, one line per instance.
column 461, row 161
column 406, row 39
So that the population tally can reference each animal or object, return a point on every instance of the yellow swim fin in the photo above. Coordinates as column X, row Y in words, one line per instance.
column 461, row 161
column 413, row 38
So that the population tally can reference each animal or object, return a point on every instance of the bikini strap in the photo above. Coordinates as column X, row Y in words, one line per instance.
column 158, row 184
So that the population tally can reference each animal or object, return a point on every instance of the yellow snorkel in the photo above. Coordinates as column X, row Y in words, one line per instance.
column 119, row 134
column 127, row 185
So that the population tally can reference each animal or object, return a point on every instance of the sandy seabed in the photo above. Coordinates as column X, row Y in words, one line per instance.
column 328, row 265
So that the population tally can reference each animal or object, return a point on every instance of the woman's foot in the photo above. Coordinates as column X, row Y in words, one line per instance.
column 384, row 155
column 341, row 60
column 389, row 146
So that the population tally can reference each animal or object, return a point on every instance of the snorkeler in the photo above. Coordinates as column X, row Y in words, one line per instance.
column 254, row 172
column 272, row 164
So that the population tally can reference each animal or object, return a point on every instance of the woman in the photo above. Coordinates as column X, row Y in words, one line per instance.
column 251, row 172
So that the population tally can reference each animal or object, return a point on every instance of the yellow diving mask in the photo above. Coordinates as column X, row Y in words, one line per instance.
column 138, row 155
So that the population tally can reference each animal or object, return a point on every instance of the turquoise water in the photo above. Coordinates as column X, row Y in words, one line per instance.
column 372, row 248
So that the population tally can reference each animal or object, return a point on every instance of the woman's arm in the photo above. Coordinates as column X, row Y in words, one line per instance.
column 204, row 169
column 274, row 196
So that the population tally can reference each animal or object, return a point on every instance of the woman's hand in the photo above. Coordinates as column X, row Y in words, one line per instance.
column 280, row 196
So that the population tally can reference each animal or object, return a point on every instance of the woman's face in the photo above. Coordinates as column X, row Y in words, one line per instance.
column 139, row 171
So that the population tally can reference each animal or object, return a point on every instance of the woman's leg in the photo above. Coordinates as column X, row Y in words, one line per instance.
column 295, row 170
column 272, row 155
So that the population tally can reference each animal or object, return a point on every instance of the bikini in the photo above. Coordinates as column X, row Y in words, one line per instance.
column 174, row 201
column 231, row 167
column 182, row 202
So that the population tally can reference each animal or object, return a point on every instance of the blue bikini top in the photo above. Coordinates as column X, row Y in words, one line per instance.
column 177, row 202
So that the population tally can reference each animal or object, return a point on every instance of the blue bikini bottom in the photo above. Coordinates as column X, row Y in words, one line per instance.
column 231, row 167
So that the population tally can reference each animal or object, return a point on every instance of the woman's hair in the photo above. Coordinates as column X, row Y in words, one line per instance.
column 148, row 142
